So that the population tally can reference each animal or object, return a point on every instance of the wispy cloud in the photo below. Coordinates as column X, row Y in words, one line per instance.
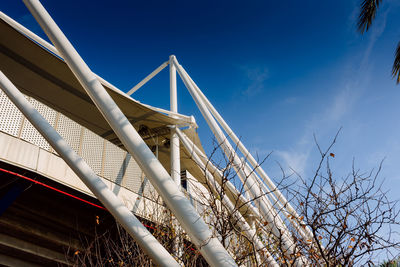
column 346, row 96
column 342, row 103
column 355, row 86
column 295, row 160
column 375, row 32
column 256, row 77
column 290, row 100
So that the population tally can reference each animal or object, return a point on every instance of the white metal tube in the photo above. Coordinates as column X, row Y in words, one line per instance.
column 244, row 226
column 285, row 236
column 202, row 237
column 218, row 174
column 281, row 208
column 248, row 177
column 113, row 204
column 172, row 85
column 253, row 162
column 284, row 205
column 262, row 201
column 148, row 78
column 175, row 157
column 277, row 228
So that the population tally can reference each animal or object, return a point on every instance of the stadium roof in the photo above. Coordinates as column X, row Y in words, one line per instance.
column 43, row 75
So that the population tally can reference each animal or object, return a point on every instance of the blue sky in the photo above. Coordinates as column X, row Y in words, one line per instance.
column 278, row 71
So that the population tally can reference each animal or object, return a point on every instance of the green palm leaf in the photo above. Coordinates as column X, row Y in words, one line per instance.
column 368, row 9
column 367, row 14
column 396, row 65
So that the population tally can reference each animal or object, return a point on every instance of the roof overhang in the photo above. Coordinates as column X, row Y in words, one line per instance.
column 46, row 77
column 35, row 68
column 43, row 75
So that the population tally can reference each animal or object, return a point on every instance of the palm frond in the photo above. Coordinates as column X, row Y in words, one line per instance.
column 396, row 65
column 367, row 14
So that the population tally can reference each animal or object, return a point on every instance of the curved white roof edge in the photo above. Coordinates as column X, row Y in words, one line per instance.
column 188, row 120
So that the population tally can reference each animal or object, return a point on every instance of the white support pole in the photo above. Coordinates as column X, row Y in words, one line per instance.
column 218, row 174
column 277, row 228
column 175, row 157
column 258, row 169
column 301, row 230
column 249, row 232
column 199, row 232
column 113, row 204
column 301, row 261
column 148, row 78
column 284, row 205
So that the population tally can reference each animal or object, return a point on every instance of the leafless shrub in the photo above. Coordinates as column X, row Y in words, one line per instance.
column 350, row 220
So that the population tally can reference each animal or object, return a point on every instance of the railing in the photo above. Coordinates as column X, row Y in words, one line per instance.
column 106, row 159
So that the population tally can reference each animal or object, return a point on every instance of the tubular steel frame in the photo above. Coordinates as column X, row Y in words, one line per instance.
column 251, row 173
column 199, row 232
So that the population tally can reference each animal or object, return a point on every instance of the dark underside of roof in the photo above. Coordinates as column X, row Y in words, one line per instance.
column 41, row 226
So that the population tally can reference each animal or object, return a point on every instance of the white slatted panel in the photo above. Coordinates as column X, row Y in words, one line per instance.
column 10, row 116
column 30, row 134
column 132, row 179
column 92, row 150
column 70, row 131
column 119, row 166
column 114, row 163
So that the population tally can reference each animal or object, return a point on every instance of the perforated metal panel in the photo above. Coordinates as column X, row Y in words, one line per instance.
column 119, row 166
column 92, row 150
column 133, row 173
column 10, row 116
column 70, row 131
column 114, row 163
column 29, row 133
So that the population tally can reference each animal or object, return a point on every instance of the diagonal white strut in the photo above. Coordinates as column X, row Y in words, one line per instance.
column 275, row 223
column 273, row 192
column 113, row 204
column 254, row 164
column 148, row 78
column 295, row 223
column 245, row 227
column 199, row 232
column 284, row 205
column 239, row 198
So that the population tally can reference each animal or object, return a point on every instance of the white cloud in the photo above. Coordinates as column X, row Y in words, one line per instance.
column 342, row 102
column 295, row 160
column 375, row 32
column 325, row 123
column 290, row 100
column 256, row 77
